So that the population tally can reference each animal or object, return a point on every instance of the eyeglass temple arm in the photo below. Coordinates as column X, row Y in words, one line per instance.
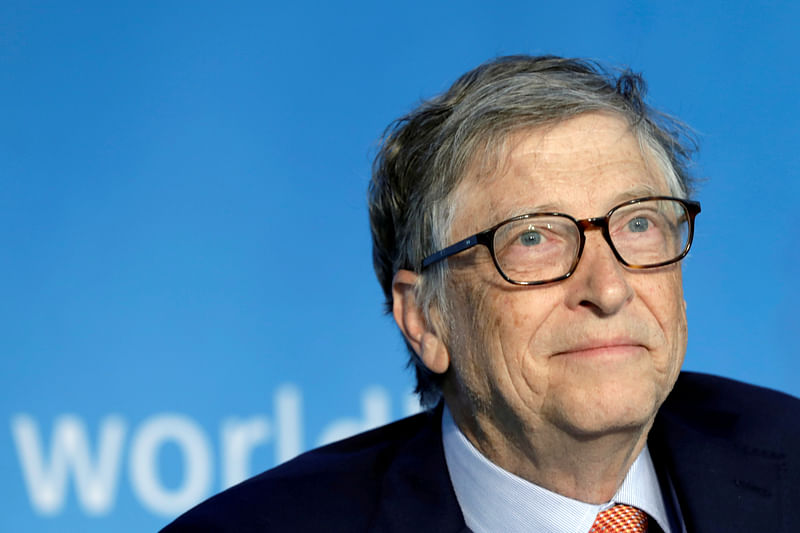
column 453, row 249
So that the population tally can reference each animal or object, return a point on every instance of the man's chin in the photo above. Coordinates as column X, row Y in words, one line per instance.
column 621, row 415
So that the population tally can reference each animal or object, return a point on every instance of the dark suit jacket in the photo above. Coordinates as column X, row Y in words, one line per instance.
column 731, row 452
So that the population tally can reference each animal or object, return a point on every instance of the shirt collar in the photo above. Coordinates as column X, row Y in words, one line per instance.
column 493, row 499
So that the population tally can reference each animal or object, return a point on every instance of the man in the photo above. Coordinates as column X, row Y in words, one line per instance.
column 528, row 227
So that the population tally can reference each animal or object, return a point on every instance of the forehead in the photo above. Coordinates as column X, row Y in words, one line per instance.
column 582, row 166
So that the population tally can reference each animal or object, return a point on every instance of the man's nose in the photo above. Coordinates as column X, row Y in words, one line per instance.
column 600, row 282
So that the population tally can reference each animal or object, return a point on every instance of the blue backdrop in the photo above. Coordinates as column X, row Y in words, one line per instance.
column 187, row 293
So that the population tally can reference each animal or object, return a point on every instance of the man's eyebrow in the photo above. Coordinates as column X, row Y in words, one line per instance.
column 639, row 191
column 542, row 208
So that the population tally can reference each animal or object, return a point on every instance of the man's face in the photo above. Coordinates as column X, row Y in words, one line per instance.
column 593, row 354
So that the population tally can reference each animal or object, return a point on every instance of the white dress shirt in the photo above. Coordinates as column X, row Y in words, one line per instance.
column 493, row 499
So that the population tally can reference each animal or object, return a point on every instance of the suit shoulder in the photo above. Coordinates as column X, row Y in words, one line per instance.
column 717, row 402
column 340, row 482
column 720, row 391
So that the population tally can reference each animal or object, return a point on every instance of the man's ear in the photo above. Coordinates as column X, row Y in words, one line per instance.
column 410, row 318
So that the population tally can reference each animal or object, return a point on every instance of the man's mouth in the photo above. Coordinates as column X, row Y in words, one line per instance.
column 597, row 348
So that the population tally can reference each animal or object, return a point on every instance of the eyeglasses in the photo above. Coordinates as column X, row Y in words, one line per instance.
column 539, row 248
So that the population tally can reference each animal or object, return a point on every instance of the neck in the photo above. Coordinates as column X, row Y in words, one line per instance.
column 584, row 467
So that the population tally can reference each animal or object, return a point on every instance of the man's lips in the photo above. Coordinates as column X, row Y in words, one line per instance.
column 599, row 348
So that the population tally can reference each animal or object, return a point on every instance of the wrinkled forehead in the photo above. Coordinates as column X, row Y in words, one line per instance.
column 586, row 162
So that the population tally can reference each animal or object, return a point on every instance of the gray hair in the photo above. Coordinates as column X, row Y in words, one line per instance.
column 424, row 156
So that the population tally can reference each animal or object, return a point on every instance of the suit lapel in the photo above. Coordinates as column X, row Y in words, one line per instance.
column 417, row 495
column 722, row 481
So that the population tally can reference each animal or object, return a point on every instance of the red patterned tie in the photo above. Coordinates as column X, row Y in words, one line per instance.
column 620, row 519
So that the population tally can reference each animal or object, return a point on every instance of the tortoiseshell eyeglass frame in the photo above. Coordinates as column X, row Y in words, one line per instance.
column 486, row 238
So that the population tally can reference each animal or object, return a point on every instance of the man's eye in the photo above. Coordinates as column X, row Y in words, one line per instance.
column 530, row 238
column 638, row 225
